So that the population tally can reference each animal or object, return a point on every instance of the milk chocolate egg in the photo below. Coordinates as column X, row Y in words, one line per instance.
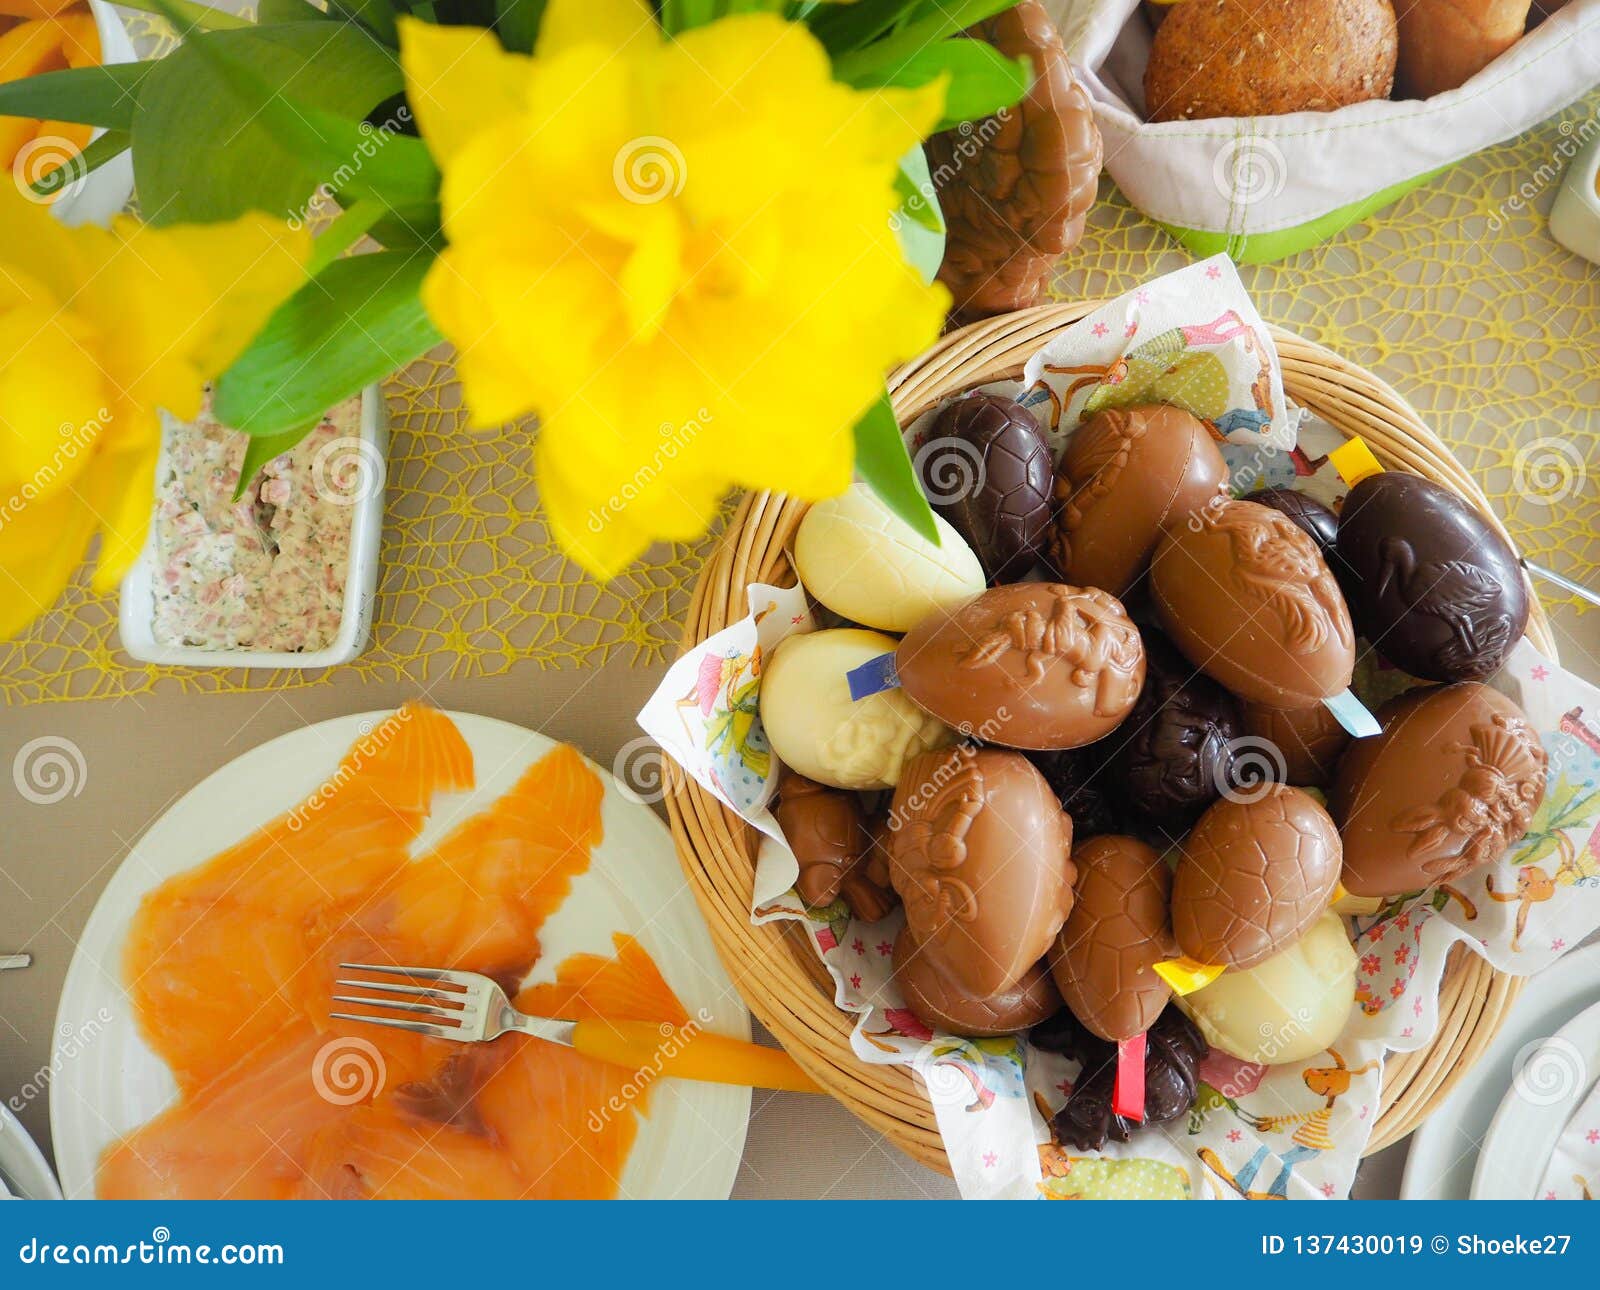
column 1432, row 584
column 1030, row 665
column 986, row 468
column 866, row 564
column 1452, row 781
column 1298, row 745
column 1287, row 1008
column 1315, row 520
column 1176, row 750
column 1246, row 596
column 1254, row 873
column 818, row 730
column 1104, row 958
column 1126, row 474
column 935, row 997
column 980, row 853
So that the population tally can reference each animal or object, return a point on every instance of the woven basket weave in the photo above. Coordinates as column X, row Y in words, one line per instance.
column 775, row 967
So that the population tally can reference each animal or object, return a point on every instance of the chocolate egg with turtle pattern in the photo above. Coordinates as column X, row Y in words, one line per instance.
column 1254, row 873
column 1433, row 585
column 1177, row 746
column 1244, row 593
column 986, row 469
column 1450, row 784
column 980, row 852
column 1036, row 665
column 1301, row 746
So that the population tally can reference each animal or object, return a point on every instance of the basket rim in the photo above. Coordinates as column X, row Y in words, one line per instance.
column 776, row 970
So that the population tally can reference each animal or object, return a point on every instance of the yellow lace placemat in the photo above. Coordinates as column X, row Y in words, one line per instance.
column 1456, row 295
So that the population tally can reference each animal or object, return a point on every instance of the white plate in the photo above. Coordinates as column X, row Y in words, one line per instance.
column 24, row 1172
column 1547, row 1083
column 136, row 606
column 1444, row 1152
column 692, row 1141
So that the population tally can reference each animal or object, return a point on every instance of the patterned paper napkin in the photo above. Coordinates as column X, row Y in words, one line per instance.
column 1292, row 1130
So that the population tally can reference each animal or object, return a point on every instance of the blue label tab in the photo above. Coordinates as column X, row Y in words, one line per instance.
column 875, row 675
column 1352, row 714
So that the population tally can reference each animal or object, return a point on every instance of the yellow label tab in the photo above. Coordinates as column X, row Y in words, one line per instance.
column 1185, row 976
column 1354, row 461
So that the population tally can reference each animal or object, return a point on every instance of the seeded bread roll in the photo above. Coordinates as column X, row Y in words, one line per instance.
column 1214, row 58
column 1444, row 43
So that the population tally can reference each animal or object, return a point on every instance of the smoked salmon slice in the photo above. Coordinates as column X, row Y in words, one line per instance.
column 230, row 967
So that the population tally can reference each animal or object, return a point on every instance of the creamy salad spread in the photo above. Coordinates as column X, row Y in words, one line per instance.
column 266, row 572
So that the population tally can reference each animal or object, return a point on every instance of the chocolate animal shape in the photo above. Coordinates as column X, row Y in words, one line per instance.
column 1246, row 596
column 1016, row 188
column 1173, row 1054
column 1127, row 473
column 1433, row 585
column 1450, row 784
column 939, row 1001
column 826, row 830
column 980, row 853
column 986, row 469
column 1254, row 874
column 1031, row 665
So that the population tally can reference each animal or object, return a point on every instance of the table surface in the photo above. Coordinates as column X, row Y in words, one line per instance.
column 1492, row 335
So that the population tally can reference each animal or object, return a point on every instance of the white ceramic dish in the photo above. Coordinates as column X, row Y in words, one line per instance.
column 24, row 1172
column 136, row 612
column 1549, row 1083
column 96, row 197
column 690, row 1145
column 1443, row 1153
column 1575, row 214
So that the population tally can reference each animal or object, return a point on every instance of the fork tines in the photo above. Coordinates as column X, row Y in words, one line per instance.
column 445, row 1020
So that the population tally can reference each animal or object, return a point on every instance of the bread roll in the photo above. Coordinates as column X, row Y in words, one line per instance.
column 1444, row 43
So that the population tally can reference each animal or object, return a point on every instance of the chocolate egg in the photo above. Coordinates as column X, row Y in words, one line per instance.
column 1246, row 596
column 867, row 564
column 1299, row 745
column 818, row 730
column 1310, row 516
column 1031, row 665
column 1254, row 873
column 1104, row 958
column 1177, row 746
column 1126, row 474
column 1081, row 782
column 1287, row 1008
column 980, row 852
column 1452, row 781
column 986, row 468
column 1432, row 584
column 939, row 1001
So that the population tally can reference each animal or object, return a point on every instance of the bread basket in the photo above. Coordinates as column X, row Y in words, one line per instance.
column 775, row 968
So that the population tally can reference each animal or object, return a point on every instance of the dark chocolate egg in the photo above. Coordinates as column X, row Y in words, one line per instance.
column 1081, row 779
column 1452, row 781
column 937, row 999
column 1030, row 665
column 1254, row 874
column 980, row 852
column 1178, row 745
column 1318, row 522
column 1432, row 584
column 986, row 468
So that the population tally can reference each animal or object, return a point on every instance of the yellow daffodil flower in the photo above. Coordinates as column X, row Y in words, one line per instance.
column 98, row 330
column 677, row 252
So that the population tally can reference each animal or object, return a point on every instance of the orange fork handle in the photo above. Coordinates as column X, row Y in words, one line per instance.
column 684, row 1052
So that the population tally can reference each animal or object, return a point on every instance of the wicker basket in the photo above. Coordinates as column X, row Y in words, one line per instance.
column 776, row 969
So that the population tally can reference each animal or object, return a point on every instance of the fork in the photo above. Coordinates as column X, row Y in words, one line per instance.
column 471, row 1008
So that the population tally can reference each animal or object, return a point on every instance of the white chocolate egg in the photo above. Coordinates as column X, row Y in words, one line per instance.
column 866, row 564
column 1287, row 1008
column 817, row 729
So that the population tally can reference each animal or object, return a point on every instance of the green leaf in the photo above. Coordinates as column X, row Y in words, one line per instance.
column 205, row 146
column 517, row 22
column 1579, row 811
column 102, row 96
column 885, row 57
column 280, row 11
column 1537, row 851
column 919, row 223
column 113, row 143
column 882, row 461
column 355, row 323
column 842, row 27
column 410, row 228
column 377, row 16
column 348, row 228
column 261, row 449
column 982, row 79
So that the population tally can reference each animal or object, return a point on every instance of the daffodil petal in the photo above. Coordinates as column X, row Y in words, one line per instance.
column 41, row 543
column 119, row 490
column 613, row 24
column 459, row 80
